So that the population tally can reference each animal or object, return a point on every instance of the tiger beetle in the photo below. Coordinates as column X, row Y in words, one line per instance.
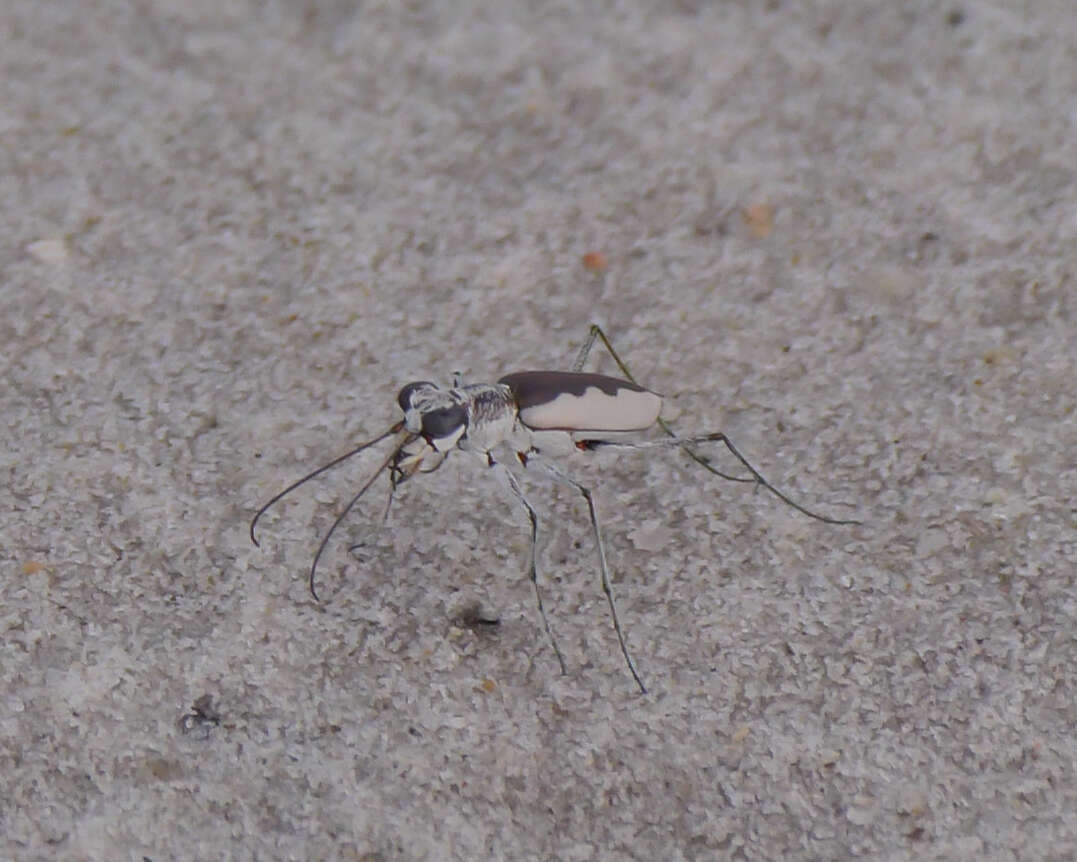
column 530, row 413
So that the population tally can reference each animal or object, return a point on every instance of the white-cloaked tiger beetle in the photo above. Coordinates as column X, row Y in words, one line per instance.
column 529, row 413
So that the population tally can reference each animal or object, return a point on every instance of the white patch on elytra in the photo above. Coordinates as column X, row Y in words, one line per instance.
column 595, row 410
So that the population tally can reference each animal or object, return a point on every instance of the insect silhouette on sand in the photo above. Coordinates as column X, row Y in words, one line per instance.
column 525, row 413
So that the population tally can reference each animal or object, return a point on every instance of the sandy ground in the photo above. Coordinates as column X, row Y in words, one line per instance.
column 841, row 232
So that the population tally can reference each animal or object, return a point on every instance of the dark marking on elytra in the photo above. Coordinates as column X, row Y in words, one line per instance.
column 531, row 388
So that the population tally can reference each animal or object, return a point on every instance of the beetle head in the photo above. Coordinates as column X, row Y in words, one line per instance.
column 439, row 417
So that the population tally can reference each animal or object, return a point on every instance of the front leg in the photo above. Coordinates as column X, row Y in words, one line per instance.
column 508, row 479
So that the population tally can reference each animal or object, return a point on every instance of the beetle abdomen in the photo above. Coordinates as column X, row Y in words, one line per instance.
column 574, row 401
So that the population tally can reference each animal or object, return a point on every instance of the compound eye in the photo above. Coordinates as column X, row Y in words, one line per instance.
column 445, row 422
column 404, row 396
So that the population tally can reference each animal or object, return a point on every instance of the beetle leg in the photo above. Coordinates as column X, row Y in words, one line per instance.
column 585, row 350
column 717, row 436
column 596, row 333
column 607, row 586
column 532, row 569
column 370, row 540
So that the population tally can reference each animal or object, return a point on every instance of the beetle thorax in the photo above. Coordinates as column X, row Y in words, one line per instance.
column 491, row 415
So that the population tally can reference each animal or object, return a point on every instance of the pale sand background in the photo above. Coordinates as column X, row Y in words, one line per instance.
column 233, row 229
